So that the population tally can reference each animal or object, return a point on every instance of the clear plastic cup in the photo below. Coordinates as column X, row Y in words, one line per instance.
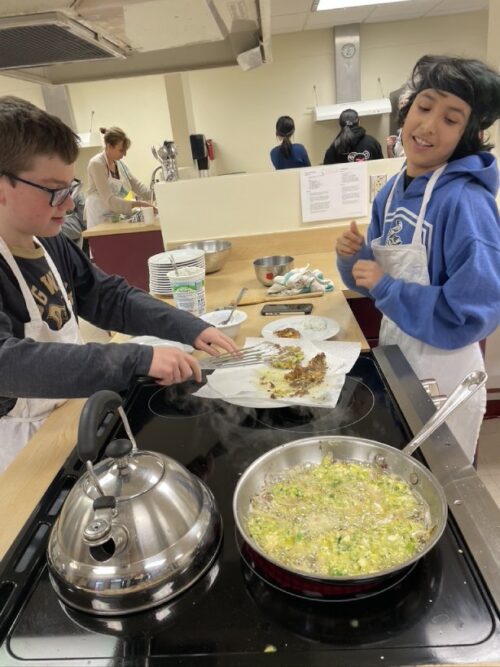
column 188, row 288
column 148, row 214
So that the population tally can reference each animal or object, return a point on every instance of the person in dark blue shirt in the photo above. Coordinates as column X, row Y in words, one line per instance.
column 288, row 155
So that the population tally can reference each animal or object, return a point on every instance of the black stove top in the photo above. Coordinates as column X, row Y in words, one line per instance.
column 239, row 614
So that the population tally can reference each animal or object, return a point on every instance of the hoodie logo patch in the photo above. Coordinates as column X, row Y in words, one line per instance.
column 393, row 237
column 358, row 157
column 401, row 225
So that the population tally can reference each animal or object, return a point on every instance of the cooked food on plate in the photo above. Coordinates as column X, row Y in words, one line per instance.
column 339, row 518
column 315, row 324
column 287, row 332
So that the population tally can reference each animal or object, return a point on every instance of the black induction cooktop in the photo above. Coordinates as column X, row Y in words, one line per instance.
column 240, row 613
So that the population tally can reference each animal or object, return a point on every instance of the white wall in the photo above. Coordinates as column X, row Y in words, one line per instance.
column 24, row 89
column 137, row 105
column 242, row 204
column 238, row 110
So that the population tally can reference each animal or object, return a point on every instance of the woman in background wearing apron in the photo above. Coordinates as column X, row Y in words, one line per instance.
column 432, row 261
column 112, row 188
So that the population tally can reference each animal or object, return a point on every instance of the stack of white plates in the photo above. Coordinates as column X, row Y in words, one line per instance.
column 159, row 265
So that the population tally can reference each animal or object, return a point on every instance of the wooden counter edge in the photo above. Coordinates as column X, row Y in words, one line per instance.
column 28, row 477
column 112, row 228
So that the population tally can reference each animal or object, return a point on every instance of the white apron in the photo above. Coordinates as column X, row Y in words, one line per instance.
column 95, row 210
column 28, row 414
column 409, row 262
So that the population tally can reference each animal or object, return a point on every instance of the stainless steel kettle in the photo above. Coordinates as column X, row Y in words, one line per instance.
column 136, row 529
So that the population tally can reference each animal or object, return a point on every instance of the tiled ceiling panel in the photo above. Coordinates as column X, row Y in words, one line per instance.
column 403, row 11
column 279, row 7
column 288, row 23
column 296, row 15
column 458, row 6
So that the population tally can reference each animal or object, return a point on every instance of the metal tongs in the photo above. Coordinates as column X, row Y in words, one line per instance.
column 255, row 354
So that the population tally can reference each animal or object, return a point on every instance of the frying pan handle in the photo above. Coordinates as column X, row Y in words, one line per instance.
column 469, row 385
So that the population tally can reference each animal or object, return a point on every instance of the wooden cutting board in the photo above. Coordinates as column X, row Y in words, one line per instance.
column 253, row 296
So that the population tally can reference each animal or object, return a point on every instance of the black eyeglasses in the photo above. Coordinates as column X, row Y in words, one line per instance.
column 57, row 195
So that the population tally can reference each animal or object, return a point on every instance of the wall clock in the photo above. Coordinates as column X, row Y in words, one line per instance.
column 348, row 50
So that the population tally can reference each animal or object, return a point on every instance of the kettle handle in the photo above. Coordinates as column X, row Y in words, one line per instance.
column 94, row 411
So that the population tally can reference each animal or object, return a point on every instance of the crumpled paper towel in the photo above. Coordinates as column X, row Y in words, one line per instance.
column 240, row 385
column 301, row 281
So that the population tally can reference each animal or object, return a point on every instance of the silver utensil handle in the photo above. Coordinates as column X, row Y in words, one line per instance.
column 469, row 385
column 235, row 305
column 127, row 428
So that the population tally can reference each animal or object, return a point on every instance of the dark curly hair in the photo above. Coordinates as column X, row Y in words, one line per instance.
column 470, row 80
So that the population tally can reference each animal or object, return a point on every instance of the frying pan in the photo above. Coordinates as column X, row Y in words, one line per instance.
column 377, row 454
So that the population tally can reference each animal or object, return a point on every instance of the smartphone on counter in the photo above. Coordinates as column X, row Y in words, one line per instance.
column 286, row 309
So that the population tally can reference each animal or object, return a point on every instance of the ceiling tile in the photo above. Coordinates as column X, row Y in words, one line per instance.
column 290, row 23
column 403, row 11
column 282, row 7
column 458, row 6
column 296, row 15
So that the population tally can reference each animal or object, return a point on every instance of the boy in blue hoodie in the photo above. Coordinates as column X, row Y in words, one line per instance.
column 431, row 260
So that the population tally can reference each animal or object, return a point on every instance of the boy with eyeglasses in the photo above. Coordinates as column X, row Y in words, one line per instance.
column 46, row 282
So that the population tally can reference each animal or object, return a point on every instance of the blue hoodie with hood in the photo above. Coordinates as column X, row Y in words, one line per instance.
column 461, row 232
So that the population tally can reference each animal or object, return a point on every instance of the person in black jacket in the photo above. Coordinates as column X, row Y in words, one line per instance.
column 352, row 144
column 46, row 283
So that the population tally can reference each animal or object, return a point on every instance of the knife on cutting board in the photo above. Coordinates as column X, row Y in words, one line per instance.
column 257, row 296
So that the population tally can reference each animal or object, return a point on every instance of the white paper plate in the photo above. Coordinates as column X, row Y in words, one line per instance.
column 180, row 257
column 160, row 342
column 161, row 269
column 310, row 327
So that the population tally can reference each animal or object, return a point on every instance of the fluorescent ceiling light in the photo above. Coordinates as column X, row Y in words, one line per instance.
column 344, row 4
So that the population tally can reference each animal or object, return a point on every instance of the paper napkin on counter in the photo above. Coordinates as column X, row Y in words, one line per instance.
column 301, row 281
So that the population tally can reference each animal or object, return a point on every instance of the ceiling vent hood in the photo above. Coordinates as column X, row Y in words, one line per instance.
column 67, row 41
column 348, row 79
column 48, row 38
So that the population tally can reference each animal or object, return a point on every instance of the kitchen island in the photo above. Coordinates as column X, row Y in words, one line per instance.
column 124, row 248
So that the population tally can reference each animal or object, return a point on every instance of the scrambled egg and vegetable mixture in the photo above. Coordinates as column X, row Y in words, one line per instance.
column 298, row 380
column 339, row 518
